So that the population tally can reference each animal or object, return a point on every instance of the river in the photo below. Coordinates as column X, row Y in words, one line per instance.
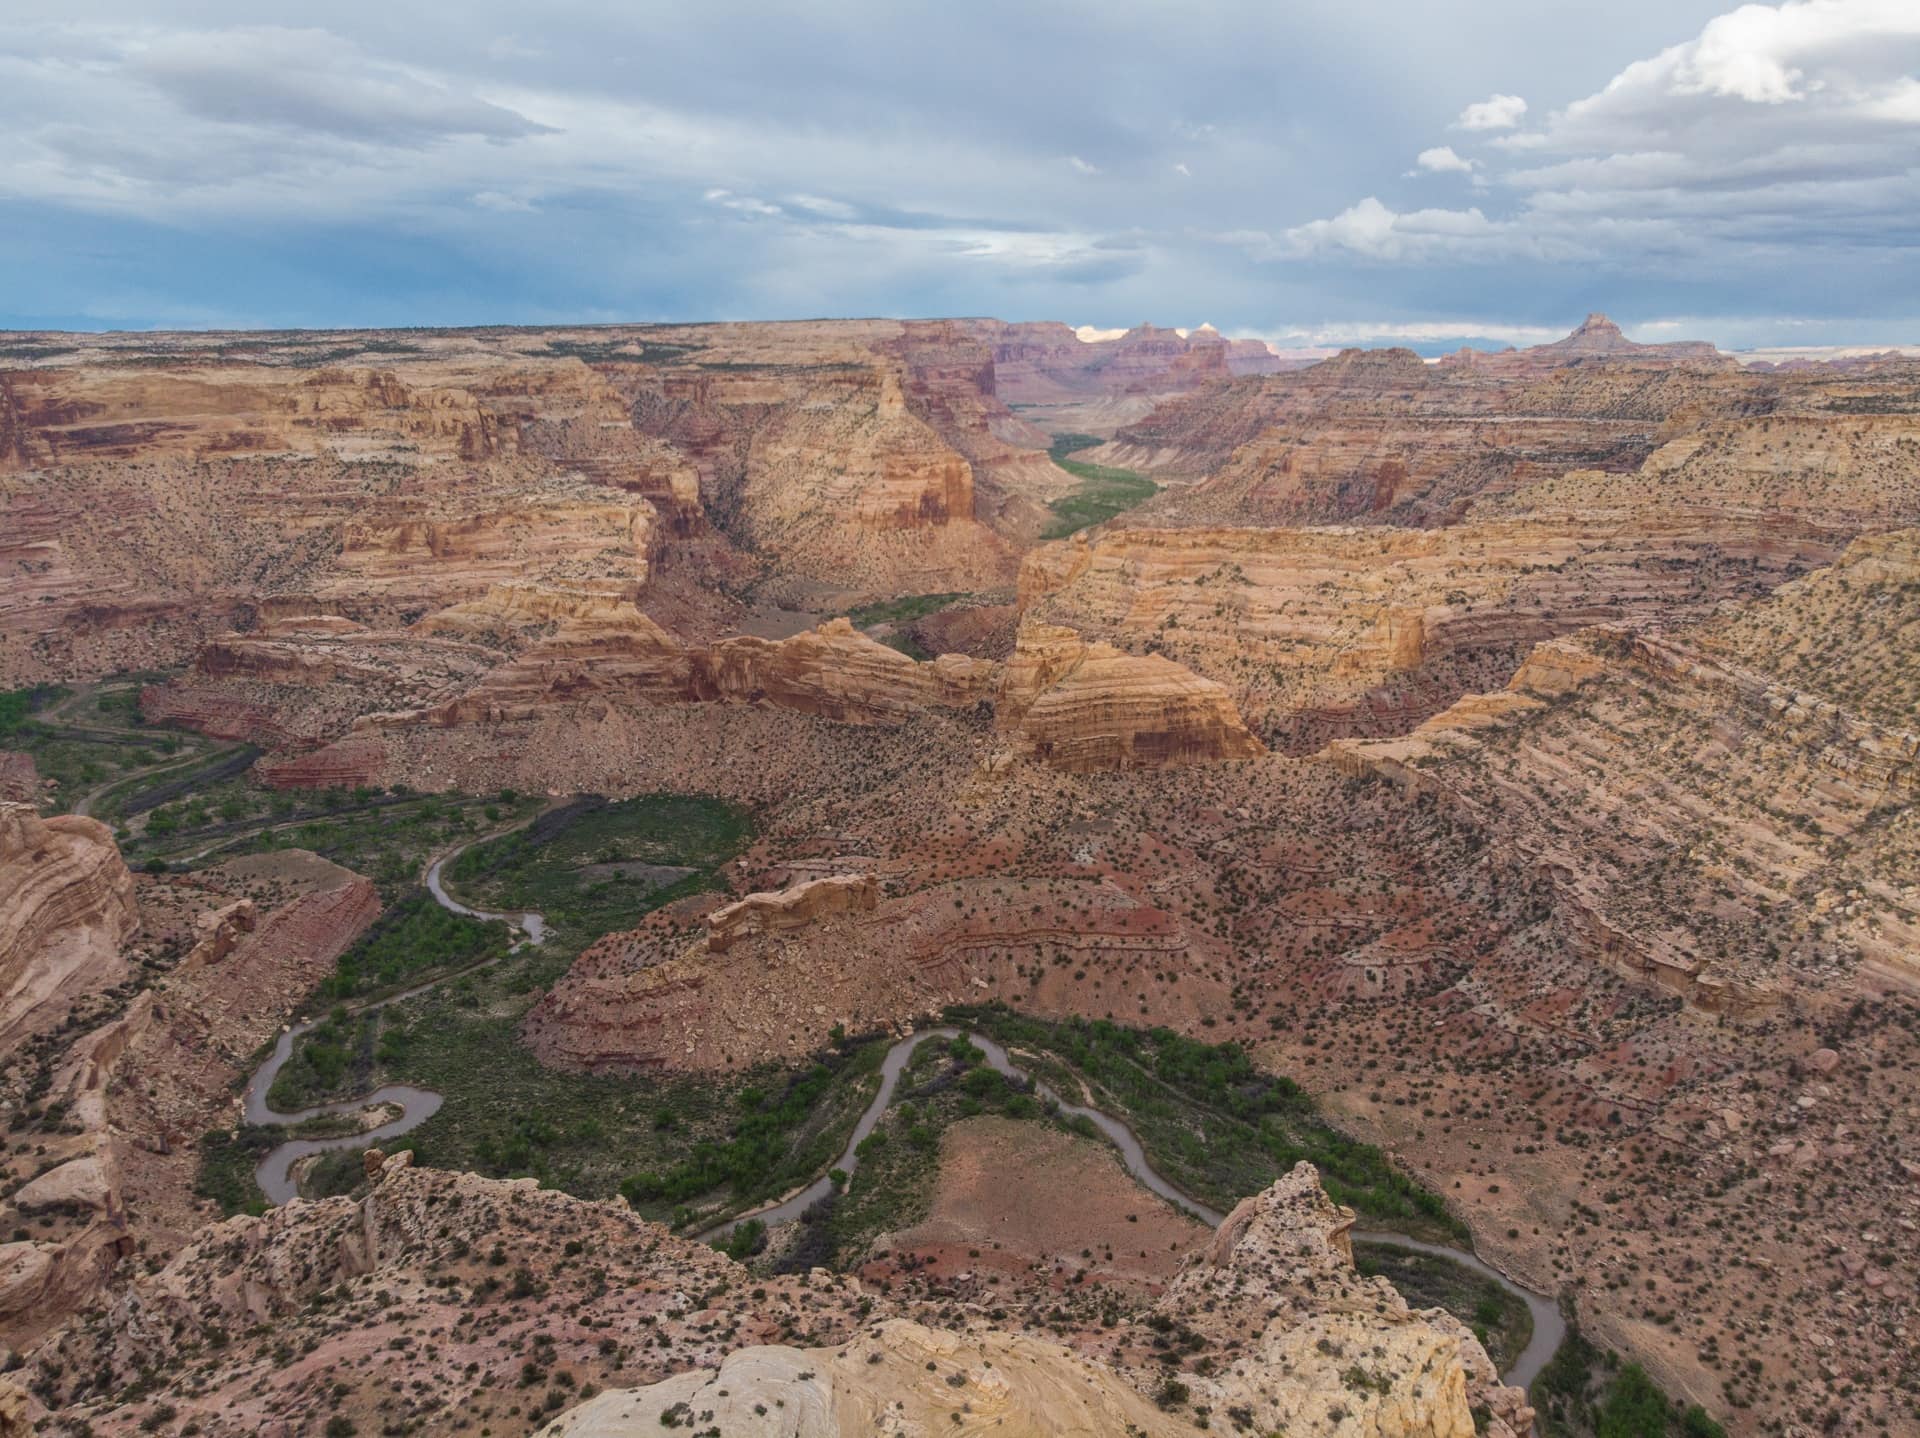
column 274, row 1173
column 417, row 1105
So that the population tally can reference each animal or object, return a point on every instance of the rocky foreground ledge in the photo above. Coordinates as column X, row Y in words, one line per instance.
column 1299, row 1342
column 431, row 1300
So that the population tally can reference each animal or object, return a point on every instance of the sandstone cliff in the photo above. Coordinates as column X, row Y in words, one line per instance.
column 66, row 907
column 1772, row 700
column 789, row 909
column 1275, row 1287
column 1086, row 707
column 1320, row 633
column 139, row 1091
column 1045, row 362
column 1279, row 1275
column 151, row 504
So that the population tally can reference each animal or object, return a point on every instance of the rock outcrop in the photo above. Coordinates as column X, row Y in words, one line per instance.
column 1275, row 1289
column 790, row 909
column 838, row 673
column 1772, row 701
column 611, row 652
column 19, row 778
column 66, row 908
column 140, row 1090
column 1278, row 1276
column 1046, row 362
column 1322, row 633
column 160, row 492
column 1090, row 707
column 897, row 1377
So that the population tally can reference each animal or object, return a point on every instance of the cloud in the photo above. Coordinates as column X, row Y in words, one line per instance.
column 1778, row 129
column 506, row 204
column 816, row 205
column 743, row 204
column 1372, row 231
column 1441, row 160
column 1354, row 332
column 310, row 80
column 1498, row 112
column 390, row 164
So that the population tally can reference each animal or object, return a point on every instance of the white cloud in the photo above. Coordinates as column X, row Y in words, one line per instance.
column 743, row 204
column 1083, row 166
column 1779, row 128
column 1498, row 112
column 1370, row 230
column 1442, row 160
column 1353, row 332
column 816, row 205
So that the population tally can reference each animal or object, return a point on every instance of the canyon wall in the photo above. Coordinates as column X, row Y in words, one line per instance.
column 66, row 907
column 1318, row 633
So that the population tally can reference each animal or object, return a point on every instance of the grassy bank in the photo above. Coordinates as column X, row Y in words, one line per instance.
column 83, row 743
column 1210, row 1121
column 387, row 835
column 594, row 867
column 1586, row 1392
column 1104, row 490
column 591, row 867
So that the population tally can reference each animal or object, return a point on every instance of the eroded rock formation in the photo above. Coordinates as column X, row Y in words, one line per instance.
column 1318, row 633
column 1276, row 1286
column 789, row 909
column 66, row 907
column 1085, row 707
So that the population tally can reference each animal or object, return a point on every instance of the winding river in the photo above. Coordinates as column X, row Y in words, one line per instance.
column 417, row 1105
column 274, row 1173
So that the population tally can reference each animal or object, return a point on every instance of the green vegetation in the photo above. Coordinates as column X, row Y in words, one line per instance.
column 1584, row 1392
column 411, row 940
column 591, row 1134
column 900, row 613
column 1500, row 1318
column 331, row 1061
column 388, row 836
column 590, row 867
column 1104, row 490
column 227, row 1160
column 1210, row 1121
column 899, row 1161
column 95, row 740
column 594, row 867
column 774, row 1145
column 17, row 705
column 903, row 610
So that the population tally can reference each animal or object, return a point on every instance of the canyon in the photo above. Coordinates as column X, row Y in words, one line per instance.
column 1516, row 752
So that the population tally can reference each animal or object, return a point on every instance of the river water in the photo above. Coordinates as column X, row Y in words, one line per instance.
column 274, row 1173
column 417, row 1105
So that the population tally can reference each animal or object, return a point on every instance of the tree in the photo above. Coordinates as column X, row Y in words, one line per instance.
column 1634, row 1407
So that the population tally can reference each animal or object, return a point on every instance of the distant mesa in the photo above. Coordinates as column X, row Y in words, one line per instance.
column 1597, row 337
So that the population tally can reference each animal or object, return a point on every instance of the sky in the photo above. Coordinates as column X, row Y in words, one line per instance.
column 1311, row 171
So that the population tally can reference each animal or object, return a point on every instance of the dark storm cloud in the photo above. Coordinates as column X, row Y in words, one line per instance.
column 1316, row 170
column 312, row 81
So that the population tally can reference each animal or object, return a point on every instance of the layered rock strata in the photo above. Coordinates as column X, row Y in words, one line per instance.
column 1320, row 633
column 66, row 907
